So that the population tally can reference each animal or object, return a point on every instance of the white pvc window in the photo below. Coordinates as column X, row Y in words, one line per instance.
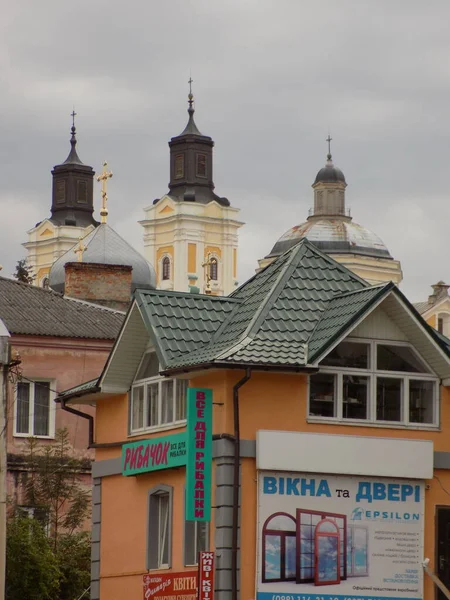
column 377, row 382
column 34, row 409
column 156, row 402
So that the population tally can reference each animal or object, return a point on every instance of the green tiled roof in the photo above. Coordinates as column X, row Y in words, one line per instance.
column 342, row 311
column 267, row 321
column 182, row 322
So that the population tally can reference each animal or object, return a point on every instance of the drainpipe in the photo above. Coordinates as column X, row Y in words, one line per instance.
column 237, row 454
column 78, row 413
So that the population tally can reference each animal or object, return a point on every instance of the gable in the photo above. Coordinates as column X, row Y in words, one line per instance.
column 379, row 326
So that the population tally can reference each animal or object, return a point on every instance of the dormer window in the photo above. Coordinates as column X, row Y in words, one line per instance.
column 179, row 166
column 378, row 382
column 156, row 402
column 201, row 165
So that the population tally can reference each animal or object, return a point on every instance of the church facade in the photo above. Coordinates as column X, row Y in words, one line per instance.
column 190, row 233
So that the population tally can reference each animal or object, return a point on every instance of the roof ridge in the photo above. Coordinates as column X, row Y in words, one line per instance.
column 370, row 287
column 94, row 305
column 31, row 286
column 286, row 268
column 179, row 294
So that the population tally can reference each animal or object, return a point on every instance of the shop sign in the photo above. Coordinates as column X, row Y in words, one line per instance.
column 199, row 456
column 356, row 537
column 171, row 586
column 206, row 576
column 154, row 454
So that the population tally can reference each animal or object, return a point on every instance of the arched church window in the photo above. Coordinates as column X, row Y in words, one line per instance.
column 213, row 269
column 279, row 548
column 46, row 283
column 166, row 268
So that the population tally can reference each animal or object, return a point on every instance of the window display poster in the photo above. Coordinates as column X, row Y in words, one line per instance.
column 330, row 537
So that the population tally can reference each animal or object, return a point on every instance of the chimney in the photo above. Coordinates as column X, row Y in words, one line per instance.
column 107, row 285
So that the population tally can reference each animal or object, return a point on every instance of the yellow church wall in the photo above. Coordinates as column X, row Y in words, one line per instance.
column 432, row 320
column 213, row 250
column 192, row 258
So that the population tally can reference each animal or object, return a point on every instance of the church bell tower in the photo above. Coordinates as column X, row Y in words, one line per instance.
column 190, row 233
column 71, row 217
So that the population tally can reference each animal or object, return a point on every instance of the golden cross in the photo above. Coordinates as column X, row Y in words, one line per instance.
column 80, row 249
column 207, row 264
column 104, row 178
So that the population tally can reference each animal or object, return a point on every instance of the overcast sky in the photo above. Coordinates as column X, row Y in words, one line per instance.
column 270, row 79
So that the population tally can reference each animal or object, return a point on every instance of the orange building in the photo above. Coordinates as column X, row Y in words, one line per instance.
column 330, row 440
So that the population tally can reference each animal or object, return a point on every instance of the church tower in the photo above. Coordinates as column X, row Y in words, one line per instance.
column 71, row 217
column 331, row 228
column 190, row 233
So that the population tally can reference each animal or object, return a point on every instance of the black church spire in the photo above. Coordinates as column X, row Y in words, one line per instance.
column 73, row 189
column 191, row 163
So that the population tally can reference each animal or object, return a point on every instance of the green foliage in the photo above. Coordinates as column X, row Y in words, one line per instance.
column 61, row 507
column 31, row 566
column 23, row 272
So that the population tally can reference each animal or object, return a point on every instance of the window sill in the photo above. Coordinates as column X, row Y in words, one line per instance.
column 380, row 425
column 161, row 568
column 30, row 435
column 157, row 429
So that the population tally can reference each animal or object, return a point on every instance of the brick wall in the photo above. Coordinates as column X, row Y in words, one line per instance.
column 108, row 285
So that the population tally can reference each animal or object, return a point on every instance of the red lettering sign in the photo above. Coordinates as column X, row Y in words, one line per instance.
column 173, row 585
column 206, row 576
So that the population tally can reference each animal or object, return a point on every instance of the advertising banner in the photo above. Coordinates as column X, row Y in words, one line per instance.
column 155, row 454
column 206, row 576
column 171, row 586
column 339, row 537
column 199, row 456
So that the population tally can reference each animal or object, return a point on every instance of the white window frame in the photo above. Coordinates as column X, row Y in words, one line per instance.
column 373, row 373
column 154, row 549
column 52, row 409
column 145, row 383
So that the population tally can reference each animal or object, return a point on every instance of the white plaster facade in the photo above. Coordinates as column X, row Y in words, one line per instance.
column 47, row 242
column 191, row 234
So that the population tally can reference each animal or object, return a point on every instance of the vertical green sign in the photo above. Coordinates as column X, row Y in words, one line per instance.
column 199, row 454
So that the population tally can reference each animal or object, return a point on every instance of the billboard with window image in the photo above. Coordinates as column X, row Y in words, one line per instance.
column 339, row 537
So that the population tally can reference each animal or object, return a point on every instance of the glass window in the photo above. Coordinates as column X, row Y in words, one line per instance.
column 166, row 268
column 159, row 527
column 201, row 165
column 389, row 399
column 398, row 358
column 357, row 551
column 421, row 401
column 33, row 409
column 179, row 166
column 354, row 355
column 156, row 401
column 213, row 269
column 355, row 396
column 195, row 540
column 322, row 395
column 405, row 389
column 440, row 325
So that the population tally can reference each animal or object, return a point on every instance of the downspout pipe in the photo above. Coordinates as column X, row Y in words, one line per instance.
column 235, row 517
column 78, row 413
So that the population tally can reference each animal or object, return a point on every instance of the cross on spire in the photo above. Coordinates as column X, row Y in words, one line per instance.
column 104, row 178
column 329, row 140
column 190, row 96
column 73, row 114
